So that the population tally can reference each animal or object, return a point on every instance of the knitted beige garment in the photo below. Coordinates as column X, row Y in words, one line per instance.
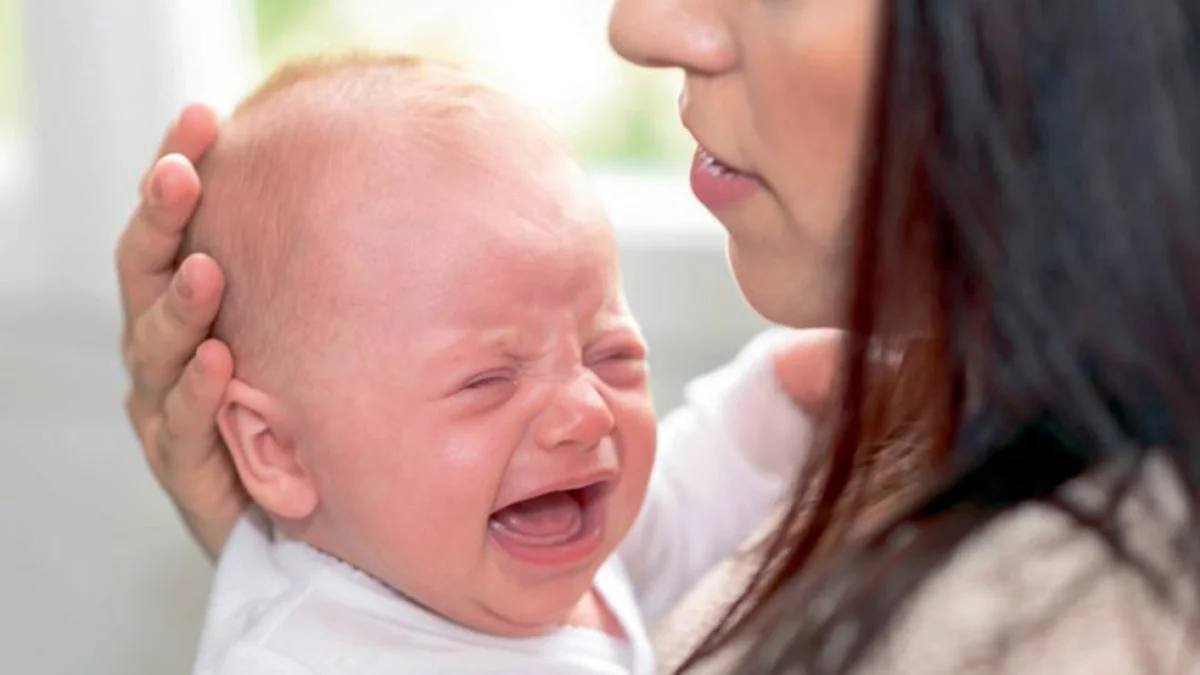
column 682, row 631
column 1033, row 594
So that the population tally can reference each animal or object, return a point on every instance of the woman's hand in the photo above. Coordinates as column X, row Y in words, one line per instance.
column 178, row 377
column 806, row 367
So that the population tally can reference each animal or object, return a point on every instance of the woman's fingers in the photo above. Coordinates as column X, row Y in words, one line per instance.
column 187, row 437
column 185, row 451
column 178, row 378
column 165, row 336
column 190, row 135
column 807, row 368
column 147, row 250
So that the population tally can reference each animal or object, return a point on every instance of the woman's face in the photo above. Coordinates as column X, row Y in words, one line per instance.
column 776, row 94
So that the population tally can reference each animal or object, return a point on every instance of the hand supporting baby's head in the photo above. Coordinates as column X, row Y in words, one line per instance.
column 438, row 379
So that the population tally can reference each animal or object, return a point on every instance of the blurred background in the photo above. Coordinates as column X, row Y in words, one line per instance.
column 97, row 575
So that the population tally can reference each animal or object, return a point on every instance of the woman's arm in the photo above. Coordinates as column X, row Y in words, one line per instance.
column 177, row 376
column 725, row 460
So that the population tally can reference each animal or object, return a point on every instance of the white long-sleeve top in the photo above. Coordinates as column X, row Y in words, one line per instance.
column 279, row 607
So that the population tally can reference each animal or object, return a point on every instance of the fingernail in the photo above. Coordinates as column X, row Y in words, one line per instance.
column 182, row 287
column 198, row 364
column 156, row 188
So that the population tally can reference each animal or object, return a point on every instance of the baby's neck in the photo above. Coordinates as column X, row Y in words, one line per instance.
column 592, row 612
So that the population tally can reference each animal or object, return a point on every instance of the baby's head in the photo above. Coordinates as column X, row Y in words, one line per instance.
column 437, row 377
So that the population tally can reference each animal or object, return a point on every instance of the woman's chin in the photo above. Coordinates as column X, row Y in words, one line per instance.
column 786, row 295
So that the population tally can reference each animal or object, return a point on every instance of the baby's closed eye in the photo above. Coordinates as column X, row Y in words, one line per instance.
column 489, row 389
column 492, row 379
column 621, row 367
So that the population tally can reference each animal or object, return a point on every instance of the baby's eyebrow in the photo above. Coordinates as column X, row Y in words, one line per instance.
column 500, row 336
column 458, row 345
column 616, row 326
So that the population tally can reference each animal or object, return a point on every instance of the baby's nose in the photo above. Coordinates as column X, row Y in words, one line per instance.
column 578, row 417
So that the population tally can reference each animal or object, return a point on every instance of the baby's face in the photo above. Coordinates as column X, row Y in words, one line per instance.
column 478, row 422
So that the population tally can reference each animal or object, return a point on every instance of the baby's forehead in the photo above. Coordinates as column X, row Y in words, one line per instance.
column 438, row 107
column 405, row 144
column 479, row 141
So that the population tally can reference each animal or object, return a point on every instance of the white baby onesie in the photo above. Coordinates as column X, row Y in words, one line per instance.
column 280, row 607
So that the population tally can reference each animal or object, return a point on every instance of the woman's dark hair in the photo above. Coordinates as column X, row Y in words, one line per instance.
column 1033, row 168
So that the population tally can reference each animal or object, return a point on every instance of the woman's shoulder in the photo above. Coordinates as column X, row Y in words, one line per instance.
column 1033, row 594
column 1038, row 592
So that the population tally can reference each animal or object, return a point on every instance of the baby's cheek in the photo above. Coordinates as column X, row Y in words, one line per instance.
column 447, row 495
column 430, row 536
column 424, row 496
column 640, row 426
column 638, row 433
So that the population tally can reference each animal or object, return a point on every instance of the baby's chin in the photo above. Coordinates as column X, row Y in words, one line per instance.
column 530, row 612
column 498, row 602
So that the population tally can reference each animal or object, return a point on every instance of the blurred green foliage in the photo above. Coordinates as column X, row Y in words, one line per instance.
column 639, row 126
column 274, row 18
column 10, row 62
column 636, row 127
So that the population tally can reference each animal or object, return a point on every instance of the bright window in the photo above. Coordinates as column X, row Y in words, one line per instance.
column 11, row 97
column 552, row 53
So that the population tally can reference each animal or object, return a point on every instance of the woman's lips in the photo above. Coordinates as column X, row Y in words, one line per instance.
column 718, row 185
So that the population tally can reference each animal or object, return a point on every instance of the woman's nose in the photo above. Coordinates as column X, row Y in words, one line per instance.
column 687, row 34
column 578, row 417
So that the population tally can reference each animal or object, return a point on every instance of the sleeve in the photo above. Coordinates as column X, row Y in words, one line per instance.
column 248, row 659
column 725, row 460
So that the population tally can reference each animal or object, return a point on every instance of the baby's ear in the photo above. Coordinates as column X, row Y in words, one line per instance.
column 255, row 428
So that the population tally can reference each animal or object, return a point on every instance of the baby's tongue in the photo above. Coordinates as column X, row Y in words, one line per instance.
column 542, row 521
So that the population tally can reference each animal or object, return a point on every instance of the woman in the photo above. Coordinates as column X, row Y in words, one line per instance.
column 1016, row 183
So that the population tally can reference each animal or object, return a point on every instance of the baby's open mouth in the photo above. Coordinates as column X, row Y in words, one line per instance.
column 552, row 519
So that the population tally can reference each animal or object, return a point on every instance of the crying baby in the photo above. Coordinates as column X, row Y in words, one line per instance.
column 440, row 406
